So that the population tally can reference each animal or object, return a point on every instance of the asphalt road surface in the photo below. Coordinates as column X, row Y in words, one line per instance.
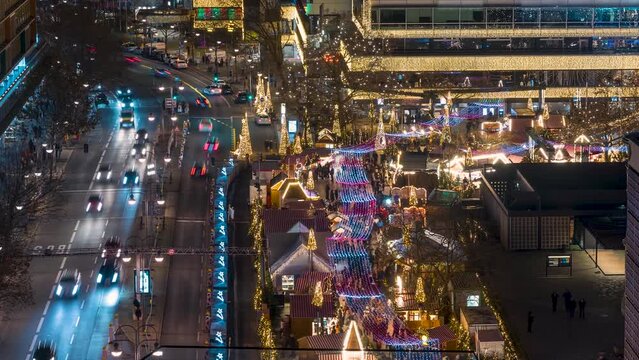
column 79, row 327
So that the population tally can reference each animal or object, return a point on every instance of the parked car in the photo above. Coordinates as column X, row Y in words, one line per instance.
column 180, row 64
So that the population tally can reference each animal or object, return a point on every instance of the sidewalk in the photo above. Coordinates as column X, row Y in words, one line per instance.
column 244, row 329
column 518, row 282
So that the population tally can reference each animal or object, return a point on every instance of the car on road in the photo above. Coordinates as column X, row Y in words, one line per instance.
column 44, row 351
column 198, row 169
column 227, row 89
column 101, row 99
column 112, row 248
column 139, row 149
column 161, row 72
column 179, row 64
column 129, row 46
column 127, row 119
column 132, row 59
column 125, row 102
column 104, row 172
column 109, row 273
column 212, row 90
column 211, row 144
column 69, row 284
column 206, row 125
column 242, row 98
column 263, row 120
column 131, row 177
column 94, row 203
column 202, row 102
column 141, row 134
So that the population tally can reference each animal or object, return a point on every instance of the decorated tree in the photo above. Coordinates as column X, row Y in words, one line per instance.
column 297, row 145
column 310, row 182
column 245, row 149
column 283, row 137
column 318, row 296
column 420, row 296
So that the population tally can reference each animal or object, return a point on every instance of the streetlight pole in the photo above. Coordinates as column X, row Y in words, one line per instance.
column 117, row 352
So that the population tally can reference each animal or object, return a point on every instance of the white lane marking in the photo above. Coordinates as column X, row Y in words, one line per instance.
column 72, row 238
column 35, row 337
column 28, row 357
column 64, row 260
column 77, row 321
column 82, row 305
column 87, row 288
column 46, row 308
column 66, row 357
column 72, row 337
column 103, row 234
column 106, row 223
column 95, row 261
column 51, row 293
column 57, row 278
column 40, row 325
column 91, row 276
column 77, row 224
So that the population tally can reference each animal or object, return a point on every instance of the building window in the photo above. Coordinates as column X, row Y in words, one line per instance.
column 472, row 301
column 288, row 282
column 414, row 316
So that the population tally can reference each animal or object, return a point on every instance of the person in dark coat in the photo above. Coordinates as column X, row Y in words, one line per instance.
column 572, row 307
column 554, row 297
column 582, row 308
column 567, row 297
column 531, row 319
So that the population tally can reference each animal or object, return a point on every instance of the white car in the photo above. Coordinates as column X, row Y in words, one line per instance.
column 263, row 120
column 180, row 64
column 212, row 90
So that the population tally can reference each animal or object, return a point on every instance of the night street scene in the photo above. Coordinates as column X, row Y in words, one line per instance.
column 319, row 179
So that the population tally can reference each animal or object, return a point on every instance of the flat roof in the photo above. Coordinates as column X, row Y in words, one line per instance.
column 565, row 188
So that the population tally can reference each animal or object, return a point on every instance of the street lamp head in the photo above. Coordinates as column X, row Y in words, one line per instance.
column 126, row 258
column 159, row 257
column 218, row 42
column 236, row 50
column 116, row 352
column 167, row 158
column 151, row 117
column 19, row 207
column 85, row 85
column 49, row 151
column 174, row 118
column 38, row 173
column 180, row 87
column 45, row 144
column 131, row 199
column 76, row 102
column 172, row 26
column 161, row 88
column 161, row 201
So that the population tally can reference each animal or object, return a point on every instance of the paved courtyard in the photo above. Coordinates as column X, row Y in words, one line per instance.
column 519, row 283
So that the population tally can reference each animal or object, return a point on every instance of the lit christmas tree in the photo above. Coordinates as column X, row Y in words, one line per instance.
column 245, row 149
column 318, row 297
column 297, row 145
column 412, row 196
column 420, row 296
column 392, row 122
column 337, row 129
column 311, row 244
column 310, row 183
column 308, row 135
column 380, row 138
column 283, row 136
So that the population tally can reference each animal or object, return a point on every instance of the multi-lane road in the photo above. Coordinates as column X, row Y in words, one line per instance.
column 80, row 327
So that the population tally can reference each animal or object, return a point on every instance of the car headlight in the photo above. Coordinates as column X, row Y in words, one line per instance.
column 131, row 104
column 88, row 207
column 146, row 136
column 143, row 151
column 100, row 206
column 58, row 290
column 120, row 104
column 137, row 179
column 114, row 278
column 132, row 151
column 98, row 177
column 75, row 289
column 103, row 253
column 109, row 175
column 99, row 278
column 124, row 180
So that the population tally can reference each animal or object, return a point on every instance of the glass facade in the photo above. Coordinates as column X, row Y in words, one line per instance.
column 503, row 18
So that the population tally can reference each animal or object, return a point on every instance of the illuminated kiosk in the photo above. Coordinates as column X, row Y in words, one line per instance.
column 289, row 190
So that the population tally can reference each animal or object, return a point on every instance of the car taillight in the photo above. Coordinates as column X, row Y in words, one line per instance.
column 216, row 145
column 203, row 171
column 206, row 146
column 192, row 171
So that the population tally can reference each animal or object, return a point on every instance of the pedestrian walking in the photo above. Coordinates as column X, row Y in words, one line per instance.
column 582, row 308
column 567, row 297
column 531, row 319
column 554, row 297
column 572, row 307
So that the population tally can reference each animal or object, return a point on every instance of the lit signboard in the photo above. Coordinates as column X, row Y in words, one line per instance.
column 143, row 282
column 218, row 13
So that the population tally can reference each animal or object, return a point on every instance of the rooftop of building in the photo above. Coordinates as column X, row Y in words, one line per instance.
column 571, row 188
